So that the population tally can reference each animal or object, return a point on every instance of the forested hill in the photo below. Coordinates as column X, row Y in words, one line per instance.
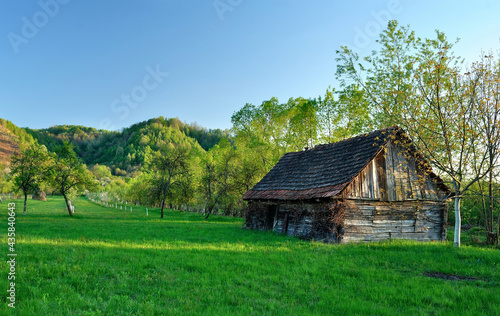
column 125, row 151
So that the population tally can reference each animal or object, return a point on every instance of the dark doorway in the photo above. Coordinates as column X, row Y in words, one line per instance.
column 271, row 215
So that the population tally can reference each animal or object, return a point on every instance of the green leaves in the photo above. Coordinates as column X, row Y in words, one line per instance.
column 68, row 175
column 28, row 168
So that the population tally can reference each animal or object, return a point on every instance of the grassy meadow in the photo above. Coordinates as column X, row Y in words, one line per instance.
column 107, row 261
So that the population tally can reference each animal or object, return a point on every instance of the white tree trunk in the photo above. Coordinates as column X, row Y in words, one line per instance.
column 458, row 222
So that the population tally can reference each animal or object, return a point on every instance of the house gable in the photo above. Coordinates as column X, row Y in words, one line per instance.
column 396, row 174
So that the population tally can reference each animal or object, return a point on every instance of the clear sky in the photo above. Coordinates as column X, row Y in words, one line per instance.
column 110, row 64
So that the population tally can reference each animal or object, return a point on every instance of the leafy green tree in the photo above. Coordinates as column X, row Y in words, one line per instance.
column 218, row 177
column 303, row 123
column 265, row 129
column 28, row 167
column 6, row 185
column 102, row 174
column 169, row 166
column 484, row 76
column 273, row 129
column 386, row 77
column 69, row 175
column 347, row 116
column 249, row 171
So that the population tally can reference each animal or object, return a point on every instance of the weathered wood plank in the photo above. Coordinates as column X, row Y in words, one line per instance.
column 392, row 222
column 380, row 230
column 369, row 181
column 389, row 173
column 414, row 179
column 376, row 188
column 360, row 218
column 365, row 237
column 357, row 222
column 381, row 175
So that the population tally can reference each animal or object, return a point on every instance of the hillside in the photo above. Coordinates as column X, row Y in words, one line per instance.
column 9, row 143
column 124, row 152
column 11, row 137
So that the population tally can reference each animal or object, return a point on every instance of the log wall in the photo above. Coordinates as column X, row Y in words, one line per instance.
column 363, row 220
column 374, row 221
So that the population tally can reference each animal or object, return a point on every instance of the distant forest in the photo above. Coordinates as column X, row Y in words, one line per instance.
column 123, row 151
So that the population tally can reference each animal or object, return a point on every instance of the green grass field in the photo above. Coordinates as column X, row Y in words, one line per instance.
column 105, row 261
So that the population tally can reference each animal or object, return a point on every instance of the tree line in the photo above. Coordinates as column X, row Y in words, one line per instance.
column 122, row 151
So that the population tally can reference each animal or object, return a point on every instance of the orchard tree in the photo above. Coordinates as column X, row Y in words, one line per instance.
column 68, row 175
column 28, row 167
column 169, row 167
column 221, row 165
column 486, row 75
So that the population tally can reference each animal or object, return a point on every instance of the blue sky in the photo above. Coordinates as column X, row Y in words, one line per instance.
column 110, row 64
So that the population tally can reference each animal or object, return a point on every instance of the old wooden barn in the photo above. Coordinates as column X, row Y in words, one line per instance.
column 368, row 188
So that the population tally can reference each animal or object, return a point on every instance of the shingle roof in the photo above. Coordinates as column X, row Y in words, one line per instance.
column 321, row 172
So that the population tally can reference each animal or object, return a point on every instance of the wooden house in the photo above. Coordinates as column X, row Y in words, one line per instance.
column 368, row 188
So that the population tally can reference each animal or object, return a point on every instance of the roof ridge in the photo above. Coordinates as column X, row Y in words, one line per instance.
column 394, row 127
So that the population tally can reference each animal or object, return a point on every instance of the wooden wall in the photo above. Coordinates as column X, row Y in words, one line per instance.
column 294, row 220
column 363, row 220
column 373, row 221
column 393, row 176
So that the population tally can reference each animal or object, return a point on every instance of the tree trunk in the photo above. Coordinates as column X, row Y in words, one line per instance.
column 67, row 205
column 163, row 204
column 25, row 199
column 165, row 192
column 498, row 222
column 205, row 207
column 491, row 236
column 211, row 207
column 458, row 221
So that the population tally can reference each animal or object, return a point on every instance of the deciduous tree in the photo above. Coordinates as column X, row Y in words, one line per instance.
column 28, row 167
column 169, row 166
column 486, row 75
column 68, row 174
column 221, row 166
